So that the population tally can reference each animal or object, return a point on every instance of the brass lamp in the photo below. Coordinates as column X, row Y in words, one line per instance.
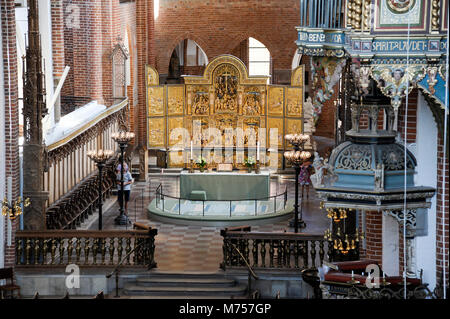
column 122, row 138
column 14, row 209
column 296, row 158
column 100, row 157
column 343, row 242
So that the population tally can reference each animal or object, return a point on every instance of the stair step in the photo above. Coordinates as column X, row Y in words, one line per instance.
column 134, row 289
column 192, row 282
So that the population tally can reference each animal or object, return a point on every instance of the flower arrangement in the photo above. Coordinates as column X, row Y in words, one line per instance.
column 201, row 162
column 249, row 162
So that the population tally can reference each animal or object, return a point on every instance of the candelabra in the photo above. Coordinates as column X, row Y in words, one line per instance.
column 100, row 157
column 14, row 209
column 296, row 158
column 122, row 138
column 344, row 242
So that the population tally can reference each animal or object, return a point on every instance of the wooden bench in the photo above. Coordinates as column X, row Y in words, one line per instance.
column 8, row 274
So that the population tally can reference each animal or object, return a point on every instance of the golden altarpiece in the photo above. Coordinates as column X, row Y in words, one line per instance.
column 223, row 100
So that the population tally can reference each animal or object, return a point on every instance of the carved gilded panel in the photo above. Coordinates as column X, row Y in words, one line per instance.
column 152, row 76
column 297, row 76
column 251, row 127
column 177, row 158
column 275, row 100
column 175, row 100
column 253, row 100
column 200, row 127
column 225, row 123
column 294, row 126
column 156, row 132
column 156, row 101
column 226, row 81
column 198, row 99
column 275, row 132
column 294, row 102
column 176, row 132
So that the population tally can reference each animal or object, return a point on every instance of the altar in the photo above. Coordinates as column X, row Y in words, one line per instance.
column 225, row 185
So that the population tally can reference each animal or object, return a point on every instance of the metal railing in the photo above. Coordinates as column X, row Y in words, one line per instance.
column 279, row 203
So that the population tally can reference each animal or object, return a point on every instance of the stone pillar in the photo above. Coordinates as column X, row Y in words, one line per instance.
column 390, row 245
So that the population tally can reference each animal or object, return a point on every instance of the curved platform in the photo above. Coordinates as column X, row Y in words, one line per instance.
column 219, row 213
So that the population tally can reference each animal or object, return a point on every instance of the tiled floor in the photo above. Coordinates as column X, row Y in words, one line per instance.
column 196, row 248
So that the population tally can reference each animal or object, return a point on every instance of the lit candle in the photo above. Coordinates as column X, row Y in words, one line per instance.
column 257, row 151
column 192, row 154
column 352, row 274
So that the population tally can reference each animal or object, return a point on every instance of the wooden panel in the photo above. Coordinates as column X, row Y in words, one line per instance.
column 155, row 101
column 275, row 123
column 294, row 102
column 176, row 132
column 175, row 100
column 156, row 132
column 275, row 100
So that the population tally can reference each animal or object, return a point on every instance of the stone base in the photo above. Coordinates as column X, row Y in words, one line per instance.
column 122, row 220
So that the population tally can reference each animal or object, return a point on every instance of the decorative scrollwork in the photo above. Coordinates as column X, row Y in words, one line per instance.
column 393, row 158
column 355, row 157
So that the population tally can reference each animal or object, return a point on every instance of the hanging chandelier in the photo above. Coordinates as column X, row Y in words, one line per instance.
column 344, row 239
column 14, row 209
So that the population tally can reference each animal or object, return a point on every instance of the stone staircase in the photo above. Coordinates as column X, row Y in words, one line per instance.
column 183, row 286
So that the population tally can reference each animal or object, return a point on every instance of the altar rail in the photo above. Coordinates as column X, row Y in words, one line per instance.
column 85, row 248
column 70, row 179
column 274, row 250
column 279, row 202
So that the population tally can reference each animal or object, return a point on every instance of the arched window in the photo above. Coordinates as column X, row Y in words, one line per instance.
column 188, row 58
column 258, row 58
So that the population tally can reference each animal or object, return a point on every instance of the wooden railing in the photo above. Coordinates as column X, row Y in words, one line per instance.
column 81, row 201
column 85, row 248
column 71, row 177
column 274, row 250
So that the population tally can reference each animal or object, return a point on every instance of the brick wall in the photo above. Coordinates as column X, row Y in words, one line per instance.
column 411, row 122
column 219, row 27
column 442, row 212
column 374, row 240
column 11, row 110
column 57, row 37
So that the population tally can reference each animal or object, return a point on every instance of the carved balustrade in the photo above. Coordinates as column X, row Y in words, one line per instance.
column 274, row 250
column 85, row 248
column 71, row 178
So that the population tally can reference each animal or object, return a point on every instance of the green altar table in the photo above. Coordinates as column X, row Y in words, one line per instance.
column 225, row 185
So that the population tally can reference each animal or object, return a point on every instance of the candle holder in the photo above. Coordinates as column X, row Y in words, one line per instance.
column 191, row 166
column 100, row 157
column 353, row 282
column 296, row 158
column 257, row 168
column 122, row 138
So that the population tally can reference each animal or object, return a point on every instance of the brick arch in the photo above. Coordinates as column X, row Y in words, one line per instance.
column 164, row 54
column 234, row 42
column 277, row 53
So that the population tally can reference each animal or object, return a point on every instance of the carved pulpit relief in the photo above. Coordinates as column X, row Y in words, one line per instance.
column 395, row 81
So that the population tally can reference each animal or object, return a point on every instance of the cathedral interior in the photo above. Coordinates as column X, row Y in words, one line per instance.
column 226, row 149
